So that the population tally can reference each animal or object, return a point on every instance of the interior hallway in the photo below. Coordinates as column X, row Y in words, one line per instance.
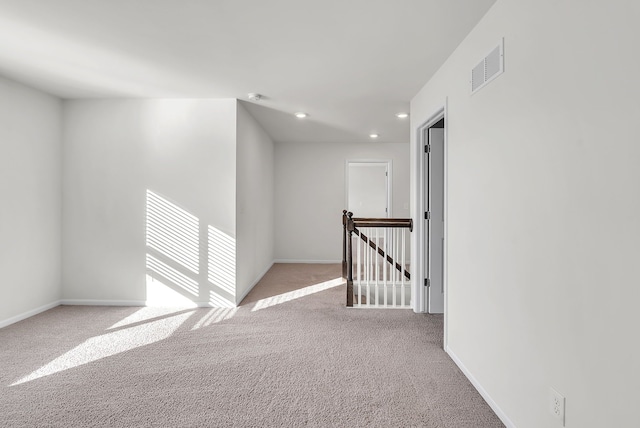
column 290, row 355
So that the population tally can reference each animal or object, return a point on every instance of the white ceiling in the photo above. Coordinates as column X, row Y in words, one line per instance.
column 350, row 64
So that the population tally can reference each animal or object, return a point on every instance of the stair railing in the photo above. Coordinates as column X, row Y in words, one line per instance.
column 374, row 261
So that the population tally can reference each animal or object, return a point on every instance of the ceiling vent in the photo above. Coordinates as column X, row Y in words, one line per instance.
column 488, row 69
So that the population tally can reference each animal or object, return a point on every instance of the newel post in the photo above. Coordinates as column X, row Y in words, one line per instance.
column 349, row 228
column 344, row 244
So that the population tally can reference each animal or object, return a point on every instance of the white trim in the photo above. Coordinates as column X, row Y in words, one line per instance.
column 95, row 302
column 29, row 314
column 389, row 163
column 445, row 249
column 483, row 392
column 133, row 303
column 417, row 257
column 255, row 282
column 311, row 262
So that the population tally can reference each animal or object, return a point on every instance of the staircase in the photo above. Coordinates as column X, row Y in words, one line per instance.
column 375, row 254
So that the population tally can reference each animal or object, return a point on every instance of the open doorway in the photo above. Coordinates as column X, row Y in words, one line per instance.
column 434, row 217
column 430, row 215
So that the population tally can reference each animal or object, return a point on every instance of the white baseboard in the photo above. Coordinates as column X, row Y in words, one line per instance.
column 494, row 406
column 129, row 303
column 255, row 282
column 133, row 303
column 313, row 262
column 28, row 314
column 92, row 302
column 81, row 302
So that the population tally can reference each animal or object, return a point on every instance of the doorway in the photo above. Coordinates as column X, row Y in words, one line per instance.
column 434, row 216
column 368, row 189
column 430, row 217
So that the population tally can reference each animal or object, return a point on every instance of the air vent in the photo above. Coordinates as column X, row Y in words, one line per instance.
column 488, row 69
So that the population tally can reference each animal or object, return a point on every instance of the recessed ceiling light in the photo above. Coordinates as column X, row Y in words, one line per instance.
column 254, row 96
column 374, row 136
column 402, row 115
column 301, row 115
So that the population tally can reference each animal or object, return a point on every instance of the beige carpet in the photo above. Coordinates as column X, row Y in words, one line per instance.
column 291, row 355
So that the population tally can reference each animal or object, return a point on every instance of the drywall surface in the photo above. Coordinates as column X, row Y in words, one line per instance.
column 30, row 191
column 543, row 207
column 254, row 203
column 311, row 194
column 149, row 191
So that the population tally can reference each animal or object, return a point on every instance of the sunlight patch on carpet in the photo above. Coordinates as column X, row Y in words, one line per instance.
column 110, row 344
column 296, row 294
column 214, row 316
column 145, row 314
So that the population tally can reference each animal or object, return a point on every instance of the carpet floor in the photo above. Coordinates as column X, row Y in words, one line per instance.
column 291, row 355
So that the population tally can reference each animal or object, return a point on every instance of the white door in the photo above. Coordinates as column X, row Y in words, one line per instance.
column 434, row 221
column 367, row 189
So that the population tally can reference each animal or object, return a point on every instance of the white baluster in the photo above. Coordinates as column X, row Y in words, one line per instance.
column 359, row 267
column 369, row 261
column 402, row 277
column 377, row 263
column 384, row 266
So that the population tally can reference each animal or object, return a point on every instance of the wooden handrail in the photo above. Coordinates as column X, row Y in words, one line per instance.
column 384, row 222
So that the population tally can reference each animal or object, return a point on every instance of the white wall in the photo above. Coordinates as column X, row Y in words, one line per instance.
column 30, row 193
column 117, row 150
column 310, row 195
column 255, row 202
column 544, row 202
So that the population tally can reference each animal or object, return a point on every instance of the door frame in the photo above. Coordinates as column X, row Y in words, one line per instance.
column 388, row 163
column 420, row 304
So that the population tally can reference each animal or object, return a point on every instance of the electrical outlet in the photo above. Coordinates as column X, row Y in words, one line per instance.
column 556, row 405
